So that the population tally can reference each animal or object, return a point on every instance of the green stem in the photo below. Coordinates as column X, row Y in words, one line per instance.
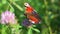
column 50, row 30
column 46, row 18
column 19, row 7
column 48, row 24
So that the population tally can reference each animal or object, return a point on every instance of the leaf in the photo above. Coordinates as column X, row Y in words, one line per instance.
column 29, row 31
column 4, row 1
column 15, row 26
column 34, row 25
column 15, row 0
column 3, row 29
column 1, row 5
column 12, row 9
column 36, row 30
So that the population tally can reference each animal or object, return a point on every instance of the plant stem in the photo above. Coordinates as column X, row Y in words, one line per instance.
column 50, row 30
column 46, row 18
column 19, row 7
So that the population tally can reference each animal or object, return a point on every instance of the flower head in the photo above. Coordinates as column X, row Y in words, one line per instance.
column 26, row 23
column 7, row 17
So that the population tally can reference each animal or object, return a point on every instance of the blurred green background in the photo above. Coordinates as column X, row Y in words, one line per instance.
column 48, row 10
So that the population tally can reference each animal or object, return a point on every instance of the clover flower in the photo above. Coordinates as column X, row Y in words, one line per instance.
column 7, row 17
column 26, row 23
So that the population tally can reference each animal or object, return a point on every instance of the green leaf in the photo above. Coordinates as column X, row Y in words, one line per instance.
column 14, row 0
column 29, row 31
column 11, row 9
column 4, row 29
column 15, row 26
column 36, row 30
column 4, row 1
column 1, row 5
column 53, row 16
